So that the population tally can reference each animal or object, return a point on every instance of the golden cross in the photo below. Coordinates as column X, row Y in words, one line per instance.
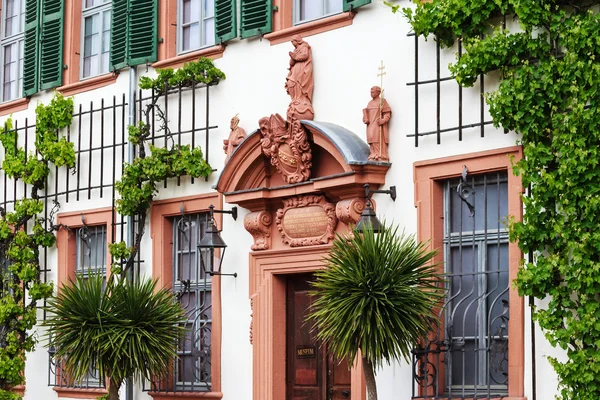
column 381, row 74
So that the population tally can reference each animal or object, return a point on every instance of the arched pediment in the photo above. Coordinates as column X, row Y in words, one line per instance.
column 340, row 167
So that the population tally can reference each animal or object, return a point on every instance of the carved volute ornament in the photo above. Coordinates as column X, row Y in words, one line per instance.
column 258, row 224
column 349, row 211
column 236, row 136
column 306, row 220
column 285, row 142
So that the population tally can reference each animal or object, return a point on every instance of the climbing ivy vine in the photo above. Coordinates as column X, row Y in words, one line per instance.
column 138, row 184
column 23, row 232
column 548, row 93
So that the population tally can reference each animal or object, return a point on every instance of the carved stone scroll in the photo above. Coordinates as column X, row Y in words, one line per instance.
column 258, row 224
column 306, row 220
column 348, row 211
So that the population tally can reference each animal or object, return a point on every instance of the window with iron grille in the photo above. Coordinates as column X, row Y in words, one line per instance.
column 91, row 259
column 467, row 357
column 193, row 289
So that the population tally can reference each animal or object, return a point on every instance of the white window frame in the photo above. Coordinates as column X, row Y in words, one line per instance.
column 326, row 13
column 86, row 13
column 5, row 41
column 201, row 20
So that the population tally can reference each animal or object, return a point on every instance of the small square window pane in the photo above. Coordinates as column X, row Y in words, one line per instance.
column 191, row 11
column 311, row 9
column 209, row 32
column 209, row 8
column 106, row 21
column 191, row 37
column 334, row 6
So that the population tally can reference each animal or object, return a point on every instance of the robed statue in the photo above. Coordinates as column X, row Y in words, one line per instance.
column 376, row 116
column 299, row 82
column 236, row 136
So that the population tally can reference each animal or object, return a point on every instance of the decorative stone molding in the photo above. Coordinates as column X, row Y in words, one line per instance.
column 348, row 211
column 251, row 321
column 258, row 224
column 306, row 220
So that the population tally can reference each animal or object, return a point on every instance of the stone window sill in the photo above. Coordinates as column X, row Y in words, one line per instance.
column 88, row 84
column 213, row 52
column 79, row 393
column 186, row 395
column 14, row 106
column 311, row 28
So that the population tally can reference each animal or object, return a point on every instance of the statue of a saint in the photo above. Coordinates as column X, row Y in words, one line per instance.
column 236, row 136
column 299, row 82
column 376, row 116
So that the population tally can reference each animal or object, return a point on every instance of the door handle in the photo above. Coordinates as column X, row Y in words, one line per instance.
column 346, row 394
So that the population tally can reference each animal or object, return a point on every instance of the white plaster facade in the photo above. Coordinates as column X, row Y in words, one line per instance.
column 345, row 67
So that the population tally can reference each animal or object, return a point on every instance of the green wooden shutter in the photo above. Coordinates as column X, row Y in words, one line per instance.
column 257, row 17
column 51, row 44
column 118, row 34
column 351, row 4
column 225, row 20
column 30, row 56
column 142, row 31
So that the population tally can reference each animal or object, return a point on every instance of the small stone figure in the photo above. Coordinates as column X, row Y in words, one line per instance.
column 376, row 116
column 299, row 82
column 236, row 136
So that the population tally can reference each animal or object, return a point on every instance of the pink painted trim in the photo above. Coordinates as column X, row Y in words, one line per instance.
column 310, row 28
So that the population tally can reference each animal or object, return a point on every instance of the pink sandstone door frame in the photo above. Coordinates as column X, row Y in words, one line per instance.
column 268, row 275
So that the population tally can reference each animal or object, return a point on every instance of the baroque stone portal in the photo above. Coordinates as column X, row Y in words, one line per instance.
column 306, row 220
column 285, row 142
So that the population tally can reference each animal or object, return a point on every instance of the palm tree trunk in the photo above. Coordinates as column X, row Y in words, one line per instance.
column 113, row 390
column 370, row 379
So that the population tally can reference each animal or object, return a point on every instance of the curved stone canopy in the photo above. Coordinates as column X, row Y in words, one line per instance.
column 340, row 161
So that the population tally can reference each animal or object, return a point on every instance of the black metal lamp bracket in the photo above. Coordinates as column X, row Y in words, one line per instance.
column 233, row 212
column 391, row 191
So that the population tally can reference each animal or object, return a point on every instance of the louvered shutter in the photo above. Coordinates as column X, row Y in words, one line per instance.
column 257, row 17
column 142, row 31
column 51, row 44
column 118, row 34
column 350, row 4
column 225, row 20
column 30, row 56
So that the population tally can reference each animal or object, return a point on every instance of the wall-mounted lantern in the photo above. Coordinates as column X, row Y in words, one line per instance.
column 212, row 241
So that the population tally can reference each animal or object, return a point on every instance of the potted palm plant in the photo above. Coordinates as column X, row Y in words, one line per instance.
column 124, row 329
column 377, row 296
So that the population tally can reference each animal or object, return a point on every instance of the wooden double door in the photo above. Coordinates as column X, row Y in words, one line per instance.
column 311, row 372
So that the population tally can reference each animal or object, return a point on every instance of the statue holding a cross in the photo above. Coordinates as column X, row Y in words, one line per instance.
column 376, row 116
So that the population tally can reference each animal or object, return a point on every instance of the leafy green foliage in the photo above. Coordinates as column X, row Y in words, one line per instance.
column 377, row 295
column 22, row 249
column 124, row 328
column 138, row 185
column 201, row 71
column 548, row 93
